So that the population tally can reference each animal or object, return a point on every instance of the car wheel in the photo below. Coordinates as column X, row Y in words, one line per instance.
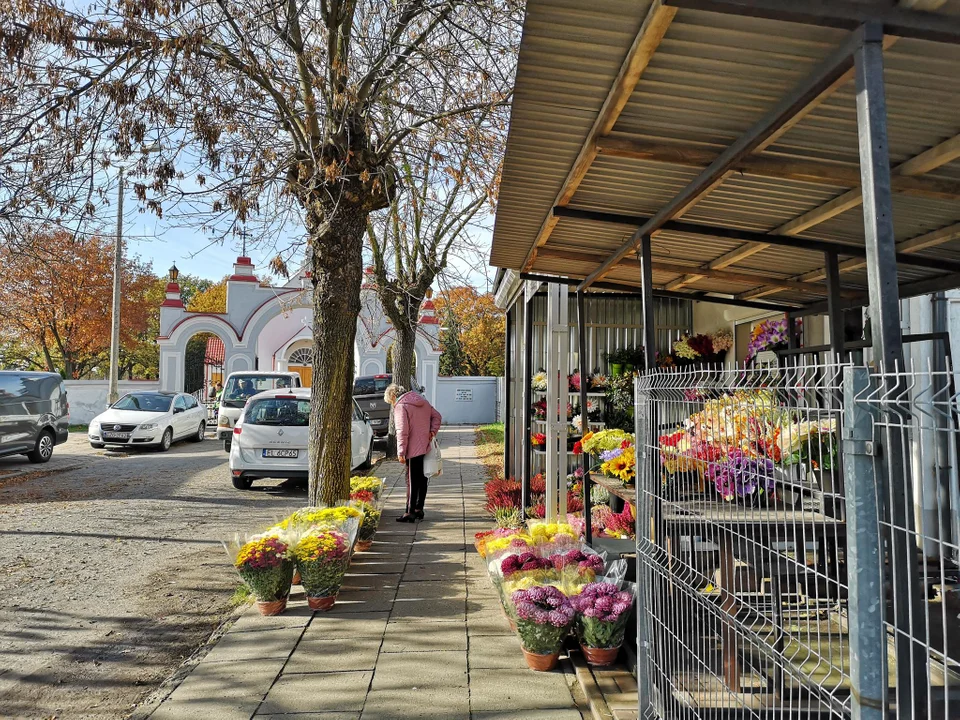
column 227, row 444
column 43, row 450
column 97, row 446
column 242, row 483
column 201, row 432
column 166, row 441
column 366, row 463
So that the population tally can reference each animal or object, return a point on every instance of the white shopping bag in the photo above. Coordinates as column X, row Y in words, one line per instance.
column 432, row 462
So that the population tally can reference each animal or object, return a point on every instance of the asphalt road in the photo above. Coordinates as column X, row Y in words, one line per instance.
column 112, row 571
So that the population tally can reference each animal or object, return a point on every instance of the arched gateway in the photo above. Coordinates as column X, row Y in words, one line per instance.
column 270, row 328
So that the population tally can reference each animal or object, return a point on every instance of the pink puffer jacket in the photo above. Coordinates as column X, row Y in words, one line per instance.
column 416, row 420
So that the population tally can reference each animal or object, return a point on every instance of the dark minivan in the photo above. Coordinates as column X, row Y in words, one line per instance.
column 34, row 414
column 368, row 392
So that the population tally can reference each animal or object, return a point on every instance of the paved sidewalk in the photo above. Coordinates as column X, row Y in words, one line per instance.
column 417, row 631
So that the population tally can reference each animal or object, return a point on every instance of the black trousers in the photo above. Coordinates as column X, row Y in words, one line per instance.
column 416, row 484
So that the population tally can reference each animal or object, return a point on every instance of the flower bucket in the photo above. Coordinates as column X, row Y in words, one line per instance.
column 541, row 663
column 600, row 656
column 272, row 607
column 321, row 603
column 296, row 577
column 616, row 369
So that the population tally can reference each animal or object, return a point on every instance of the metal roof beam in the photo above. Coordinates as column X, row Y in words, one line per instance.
column 844, row 14
column 903, row 256
column 835, row 66
column 645, row 44
column 773, row 166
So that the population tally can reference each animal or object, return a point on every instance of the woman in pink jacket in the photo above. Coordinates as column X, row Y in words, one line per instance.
column 417, row 423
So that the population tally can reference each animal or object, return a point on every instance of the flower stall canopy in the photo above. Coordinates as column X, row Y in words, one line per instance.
column 621, row 105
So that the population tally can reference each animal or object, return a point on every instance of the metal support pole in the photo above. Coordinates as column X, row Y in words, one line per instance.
column 834, row 308
column 526, row 394
column 584, row 414
column 894, row 470
column 791, row 331
column 507, row 407
column 646, row 439
column 867, row 635
column 113, row 393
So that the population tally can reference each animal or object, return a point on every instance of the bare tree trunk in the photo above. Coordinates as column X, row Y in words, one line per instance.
column 403, row 347
column 337, row 272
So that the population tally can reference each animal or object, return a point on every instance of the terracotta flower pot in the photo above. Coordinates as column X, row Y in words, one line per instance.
column 321, row 603
column 364, row 545
column 541, row 663
column 600, row 656
column 296, row 577
column 272, row 607
column 513, row 623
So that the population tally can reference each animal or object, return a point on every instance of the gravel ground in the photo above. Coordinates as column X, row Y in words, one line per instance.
column 112, row 571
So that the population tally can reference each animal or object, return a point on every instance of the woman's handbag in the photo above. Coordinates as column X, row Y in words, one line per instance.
column 432, row 462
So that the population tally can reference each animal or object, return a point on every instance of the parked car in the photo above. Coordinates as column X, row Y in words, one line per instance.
column 240, row 387
column 368, row 392
column 271, row 437
column 155, row 419
column 34, row 414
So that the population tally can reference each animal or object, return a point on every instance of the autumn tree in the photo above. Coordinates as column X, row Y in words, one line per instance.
column 268, row 114
column 55, row 298
column 480, row 329
column 211, row 300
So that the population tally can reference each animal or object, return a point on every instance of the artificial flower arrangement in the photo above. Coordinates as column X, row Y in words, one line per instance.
column 544, row 616
column 598, row 382
column 539, row 410
column 573, row 382
column 539, row 381
column 771, row 334
column 603, row 610
column 370, row 484
column 616, row 453
column 702, row 348
column 266, row 567
column 811, row 442
column 743, row 476
column 322, row 558
column 538, row 439
column 595, row 443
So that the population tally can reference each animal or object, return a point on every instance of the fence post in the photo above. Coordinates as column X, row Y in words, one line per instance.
column 867, row 635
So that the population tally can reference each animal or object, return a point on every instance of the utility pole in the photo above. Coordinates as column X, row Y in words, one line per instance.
column 114, row 392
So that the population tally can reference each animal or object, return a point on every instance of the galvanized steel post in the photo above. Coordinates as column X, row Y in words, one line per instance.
column 527, row 402
column 584, row 414
column 868, row 641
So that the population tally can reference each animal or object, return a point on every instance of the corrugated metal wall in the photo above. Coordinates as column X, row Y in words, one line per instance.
column 613, row 321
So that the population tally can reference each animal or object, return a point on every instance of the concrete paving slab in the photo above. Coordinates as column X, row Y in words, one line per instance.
column 433, row 686
column 357, row 580
column 339, row 625
column 251, row 646
column 513, row 715
column 318, row 692
column 418, row 572
column 501, row 652
column 424, row 636
column 221, row 690
column 319, row 654
column 296, row 615
column 365, row 601
column 495, row 690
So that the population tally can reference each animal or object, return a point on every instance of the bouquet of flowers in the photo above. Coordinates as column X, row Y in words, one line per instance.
column 573, row 382
column 264, row 563
column 602, row 614
column 539, row 381
column 598, row 382
column 810, row 442
column 538, row 439
column 620, row 462
column 702, row 347
column 371, row 510
column 371, row 484
column 544, row 615
column 739, row 475
column 540, row 410
column 542, row 533
column 771, row 334
column 322, row 557
column 595, row 443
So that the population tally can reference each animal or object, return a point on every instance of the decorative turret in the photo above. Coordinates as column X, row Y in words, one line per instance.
column 243, row 270
column 173, row 299
column 369, row 279
column 428, row 311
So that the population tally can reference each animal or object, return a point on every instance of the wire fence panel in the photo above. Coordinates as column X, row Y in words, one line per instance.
column 798, row 543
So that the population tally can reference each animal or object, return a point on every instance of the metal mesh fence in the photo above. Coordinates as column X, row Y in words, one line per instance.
column 769, row 590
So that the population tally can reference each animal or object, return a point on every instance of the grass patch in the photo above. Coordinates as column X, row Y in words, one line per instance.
column 241, row 596
column 79, row 428
column 490, row 448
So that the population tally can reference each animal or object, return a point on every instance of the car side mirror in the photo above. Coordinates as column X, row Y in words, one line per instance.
column 177, row 410
column 366, row 417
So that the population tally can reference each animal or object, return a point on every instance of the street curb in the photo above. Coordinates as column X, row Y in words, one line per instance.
column 146, row 707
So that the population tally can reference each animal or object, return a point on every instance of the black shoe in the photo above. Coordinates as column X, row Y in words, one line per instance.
column 406, row 517
column 418, row 514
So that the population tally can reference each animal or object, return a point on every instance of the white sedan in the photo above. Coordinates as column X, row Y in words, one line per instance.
column 156, row 419
column 271, row 437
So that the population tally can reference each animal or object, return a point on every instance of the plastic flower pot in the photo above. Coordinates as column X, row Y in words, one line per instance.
column 321, row 603
column 616, row 369
column 272, row 607
column 628, row 368
column 541, row 663
column 600, row 656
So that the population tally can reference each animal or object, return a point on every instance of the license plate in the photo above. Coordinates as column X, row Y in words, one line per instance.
column 116, row 436
column 281, row 453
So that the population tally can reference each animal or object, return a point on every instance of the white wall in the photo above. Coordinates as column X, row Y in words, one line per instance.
column 88, row 398
column 467, row 400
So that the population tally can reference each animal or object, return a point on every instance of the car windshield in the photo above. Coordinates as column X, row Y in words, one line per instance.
column 240, row 388
column 144, row 402
column 289, row 412
column 373, row 385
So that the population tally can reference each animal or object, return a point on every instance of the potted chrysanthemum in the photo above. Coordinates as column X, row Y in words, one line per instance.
column 371, row 520
column 544, row 615
column 322, row 557
column 602, row 613
column 265, row 565
column 371, row 484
